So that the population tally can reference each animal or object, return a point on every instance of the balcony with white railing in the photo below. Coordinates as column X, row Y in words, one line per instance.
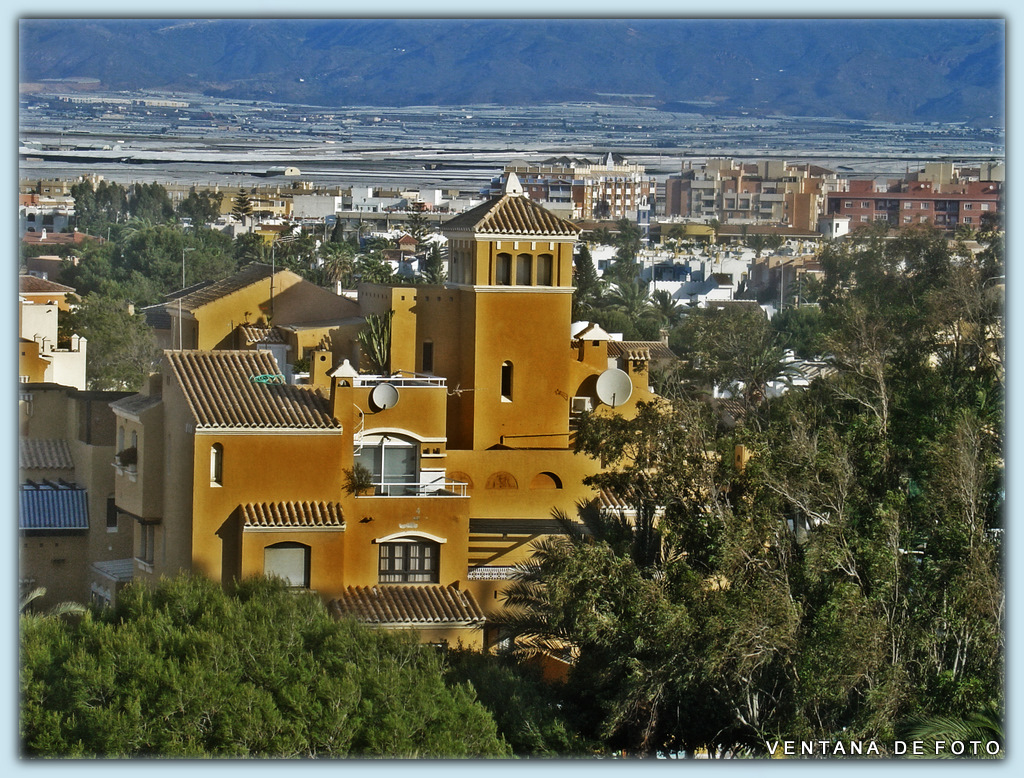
column 442, row 487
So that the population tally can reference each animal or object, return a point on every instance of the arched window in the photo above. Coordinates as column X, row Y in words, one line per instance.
column 120, row 439
column 288, row 561
column 506, row 381
column 409, row 560
column 524, row 270
column 545, row 267
column 135, row 440
column 503, row 270
column 546, row 481
column 216, row 464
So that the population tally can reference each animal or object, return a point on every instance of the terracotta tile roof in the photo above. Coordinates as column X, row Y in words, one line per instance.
column 292, row 515
column 644, row 350
column 223, row 390
column 44, row 454
column 33, row 284
column 198, row 295
column 254, row 333
column 415, row 605
column 512, row 215
column 609, row 501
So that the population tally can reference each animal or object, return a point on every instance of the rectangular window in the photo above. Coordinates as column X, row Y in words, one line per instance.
column 288, row 561
column 907, row 205
column 408, row 562
column 984, row 206
column 147, row 543
column 428, row 357
column 111, row 515
column 968, row 206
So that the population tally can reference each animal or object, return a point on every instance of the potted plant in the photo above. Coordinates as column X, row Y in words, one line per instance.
column 359, row 480
column 128, row 458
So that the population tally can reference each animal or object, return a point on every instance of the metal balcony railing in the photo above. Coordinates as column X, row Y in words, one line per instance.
column 436, row 488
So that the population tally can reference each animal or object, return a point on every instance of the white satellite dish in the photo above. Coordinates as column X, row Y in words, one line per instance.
column 614, row 387
column 384, row 396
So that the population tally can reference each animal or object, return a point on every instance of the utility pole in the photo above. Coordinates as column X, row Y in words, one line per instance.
column 181, row 344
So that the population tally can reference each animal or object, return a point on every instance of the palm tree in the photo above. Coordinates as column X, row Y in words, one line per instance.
column 631, row 298
column 984, row 726
column 338, row 263
column 61, row 609
column 665, row 308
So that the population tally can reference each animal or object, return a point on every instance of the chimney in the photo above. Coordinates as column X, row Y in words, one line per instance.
column 343, row 379
column 320, row 364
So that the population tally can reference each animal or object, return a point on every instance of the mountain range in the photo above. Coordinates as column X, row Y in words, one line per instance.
column 909, row 70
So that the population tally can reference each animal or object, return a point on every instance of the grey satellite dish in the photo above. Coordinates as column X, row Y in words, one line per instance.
column 614, row 387
column 384, row 396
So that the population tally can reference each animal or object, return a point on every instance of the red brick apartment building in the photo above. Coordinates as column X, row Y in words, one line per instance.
column 906, row 203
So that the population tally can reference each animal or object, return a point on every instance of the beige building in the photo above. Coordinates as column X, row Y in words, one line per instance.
column 43, row 355
column 71, row 540
column 765, row 192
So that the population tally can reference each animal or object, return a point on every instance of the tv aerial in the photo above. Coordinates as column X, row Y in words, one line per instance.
column 614, row 387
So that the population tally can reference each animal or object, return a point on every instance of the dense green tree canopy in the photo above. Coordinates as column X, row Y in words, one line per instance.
column 121, row 349
column 183, row 670
column 839, row 576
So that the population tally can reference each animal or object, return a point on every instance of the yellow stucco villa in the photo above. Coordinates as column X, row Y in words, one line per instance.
column 464, row 445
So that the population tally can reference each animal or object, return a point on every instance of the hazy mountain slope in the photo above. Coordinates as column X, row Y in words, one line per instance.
column 935, row 70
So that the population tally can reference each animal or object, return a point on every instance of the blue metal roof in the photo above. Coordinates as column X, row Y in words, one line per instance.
column 52, row 507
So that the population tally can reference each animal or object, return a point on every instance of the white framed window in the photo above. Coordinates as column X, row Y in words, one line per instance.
column 393, row 462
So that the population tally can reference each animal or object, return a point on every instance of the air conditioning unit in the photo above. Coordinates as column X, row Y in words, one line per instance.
column 581, row 404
